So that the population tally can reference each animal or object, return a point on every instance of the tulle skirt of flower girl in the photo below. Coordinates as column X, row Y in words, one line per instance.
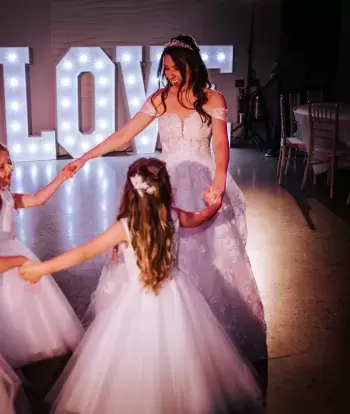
column 36, row 320
column 163, row 354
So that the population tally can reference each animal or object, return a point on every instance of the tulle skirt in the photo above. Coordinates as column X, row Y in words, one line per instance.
column 36, row 320
column 9, row 385
column 213, row 255
column 163, row 354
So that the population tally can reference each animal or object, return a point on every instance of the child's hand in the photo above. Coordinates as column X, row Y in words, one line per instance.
column 30, row 271
column 114, row 255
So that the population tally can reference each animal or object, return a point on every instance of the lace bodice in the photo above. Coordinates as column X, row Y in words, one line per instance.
column 129, row 253
column 7, row 229
column 190, row 136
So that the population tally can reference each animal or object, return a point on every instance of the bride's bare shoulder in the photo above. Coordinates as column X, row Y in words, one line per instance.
column 215, row 99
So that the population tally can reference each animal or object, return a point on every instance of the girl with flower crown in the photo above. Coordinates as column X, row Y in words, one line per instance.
column 157, row 348
column 30, row 331
column 190, row 114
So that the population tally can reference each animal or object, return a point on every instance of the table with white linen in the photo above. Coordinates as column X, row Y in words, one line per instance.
column 302, row 118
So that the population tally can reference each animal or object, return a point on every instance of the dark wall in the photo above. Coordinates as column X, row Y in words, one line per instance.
column 343, row 69
column 310, row 39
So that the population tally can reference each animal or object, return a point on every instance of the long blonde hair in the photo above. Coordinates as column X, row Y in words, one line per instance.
column 150, row 221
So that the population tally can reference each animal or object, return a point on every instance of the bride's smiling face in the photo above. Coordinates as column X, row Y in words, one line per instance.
column 172, row 72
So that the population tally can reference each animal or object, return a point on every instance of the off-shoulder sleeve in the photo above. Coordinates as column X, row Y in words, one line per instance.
column 148, row 108
column 220, row 113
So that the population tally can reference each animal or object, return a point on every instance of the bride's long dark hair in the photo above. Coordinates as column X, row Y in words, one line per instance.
column 198, row 80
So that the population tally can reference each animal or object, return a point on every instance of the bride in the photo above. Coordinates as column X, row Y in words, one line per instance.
column 190, row 115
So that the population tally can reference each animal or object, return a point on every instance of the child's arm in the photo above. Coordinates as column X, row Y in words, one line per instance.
column 188, row 219
column 39, row 198
column 32, row 271
column 9, row 262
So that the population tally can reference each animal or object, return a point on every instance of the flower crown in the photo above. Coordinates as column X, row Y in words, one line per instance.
column 141, row 186
column 177, row 43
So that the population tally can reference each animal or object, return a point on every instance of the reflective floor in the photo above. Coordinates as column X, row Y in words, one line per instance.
column 299, row 246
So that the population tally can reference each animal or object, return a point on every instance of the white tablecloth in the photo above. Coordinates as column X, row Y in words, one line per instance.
column 302, row 117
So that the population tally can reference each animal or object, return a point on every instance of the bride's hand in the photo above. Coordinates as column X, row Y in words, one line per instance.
column 74, row 166
column 217, row 189
column 210, row 197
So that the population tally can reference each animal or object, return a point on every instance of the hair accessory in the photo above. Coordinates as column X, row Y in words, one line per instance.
column 141, row 186
column 177, row 43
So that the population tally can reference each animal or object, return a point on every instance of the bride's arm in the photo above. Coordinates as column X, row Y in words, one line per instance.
column 138, row 123
column 121, row 137
column 218, row 109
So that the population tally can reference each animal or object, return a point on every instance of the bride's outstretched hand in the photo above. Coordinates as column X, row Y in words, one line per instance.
column 29, row 271
column 74, row 166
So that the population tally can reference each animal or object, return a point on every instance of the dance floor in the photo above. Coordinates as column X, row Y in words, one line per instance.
column 299, row 246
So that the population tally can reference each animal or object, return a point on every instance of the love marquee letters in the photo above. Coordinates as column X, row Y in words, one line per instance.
column 95, row 61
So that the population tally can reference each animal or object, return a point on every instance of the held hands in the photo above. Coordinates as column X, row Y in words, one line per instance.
column 70, row 169
column 64, row 175
column 215, row 192
column 73, row 167
column 30, row 271
column 211, row 197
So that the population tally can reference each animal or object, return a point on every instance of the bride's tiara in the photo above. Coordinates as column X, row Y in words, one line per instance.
column 177, row 43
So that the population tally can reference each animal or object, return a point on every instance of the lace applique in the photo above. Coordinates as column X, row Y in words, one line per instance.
column 220, row 113
column 147, row 108
column 188, row 137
